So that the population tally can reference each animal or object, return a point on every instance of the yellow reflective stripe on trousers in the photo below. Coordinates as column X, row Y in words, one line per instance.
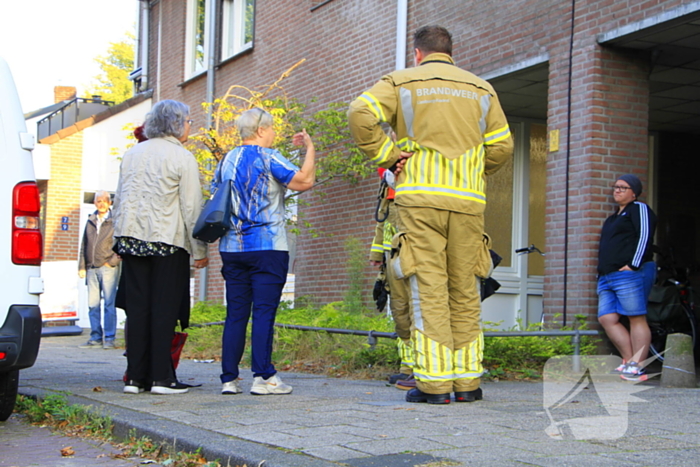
column 433, row 360
column 436, row 362
column 467, row 360
column 405, row 353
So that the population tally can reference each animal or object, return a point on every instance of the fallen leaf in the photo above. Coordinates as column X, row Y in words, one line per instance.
column 97, row 389
column 67, row 451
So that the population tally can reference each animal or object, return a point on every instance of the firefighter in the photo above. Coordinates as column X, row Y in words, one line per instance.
column 451, row 134
column 379, row 255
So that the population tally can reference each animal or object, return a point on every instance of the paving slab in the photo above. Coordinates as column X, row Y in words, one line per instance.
column 339, row 422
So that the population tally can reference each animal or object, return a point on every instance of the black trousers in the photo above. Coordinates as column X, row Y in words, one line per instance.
column 154, row 293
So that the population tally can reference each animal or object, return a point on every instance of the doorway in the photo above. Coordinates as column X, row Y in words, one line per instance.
column 515, row 218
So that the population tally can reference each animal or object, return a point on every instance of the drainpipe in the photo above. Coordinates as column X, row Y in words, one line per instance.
column 568, row 159
column 211, row 71
column 401, row 25
column 143, row 42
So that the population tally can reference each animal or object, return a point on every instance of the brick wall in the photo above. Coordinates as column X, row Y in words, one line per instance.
column 350, row 44
column 63, row 198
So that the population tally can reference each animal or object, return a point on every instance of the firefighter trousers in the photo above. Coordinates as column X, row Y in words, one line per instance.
column 441, row 249
column 398, row 299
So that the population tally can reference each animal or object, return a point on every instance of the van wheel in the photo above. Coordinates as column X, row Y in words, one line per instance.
column 8, row 393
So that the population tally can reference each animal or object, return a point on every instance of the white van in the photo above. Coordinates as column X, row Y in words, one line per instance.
column 20, row 246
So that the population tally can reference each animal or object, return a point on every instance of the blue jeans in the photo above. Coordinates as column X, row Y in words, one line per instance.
column 626, row 292
column 104, row 280
column 254, row 283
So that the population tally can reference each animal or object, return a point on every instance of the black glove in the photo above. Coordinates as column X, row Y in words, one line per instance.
column 380, row 294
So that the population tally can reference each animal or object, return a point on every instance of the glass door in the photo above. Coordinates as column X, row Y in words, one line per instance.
column 514, row 218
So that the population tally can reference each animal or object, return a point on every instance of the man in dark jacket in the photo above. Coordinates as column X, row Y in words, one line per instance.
column 100, row 266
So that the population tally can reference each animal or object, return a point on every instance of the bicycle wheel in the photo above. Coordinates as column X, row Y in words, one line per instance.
column 682, row 321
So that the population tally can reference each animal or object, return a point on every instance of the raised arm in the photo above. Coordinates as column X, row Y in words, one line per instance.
column 306, row 176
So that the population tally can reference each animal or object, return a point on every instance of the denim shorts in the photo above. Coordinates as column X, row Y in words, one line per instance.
column 626, row 292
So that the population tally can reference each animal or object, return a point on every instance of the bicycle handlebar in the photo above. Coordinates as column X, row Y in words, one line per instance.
column 531, row 249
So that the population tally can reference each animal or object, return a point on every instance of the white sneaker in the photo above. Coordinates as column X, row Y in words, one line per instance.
column 232, row 387
column 272, row 385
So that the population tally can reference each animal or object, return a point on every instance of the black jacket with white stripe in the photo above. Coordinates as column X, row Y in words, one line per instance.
column 626, row 238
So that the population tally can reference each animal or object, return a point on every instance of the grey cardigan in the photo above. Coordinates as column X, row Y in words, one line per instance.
column 159, row 195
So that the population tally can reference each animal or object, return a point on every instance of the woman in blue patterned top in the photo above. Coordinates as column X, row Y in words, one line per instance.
column 254, row 252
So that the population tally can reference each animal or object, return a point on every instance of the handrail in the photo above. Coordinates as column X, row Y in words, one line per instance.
column 373, row 335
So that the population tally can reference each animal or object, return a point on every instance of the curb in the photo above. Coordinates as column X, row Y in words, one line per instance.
column 228, row 450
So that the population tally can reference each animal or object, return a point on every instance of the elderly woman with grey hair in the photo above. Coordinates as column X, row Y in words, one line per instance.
column 157, row 203
column 254, row 252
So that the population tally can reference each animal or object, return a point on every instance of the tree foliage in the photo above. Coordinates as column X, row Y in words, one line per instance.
column 337, row 155
column 113, row 82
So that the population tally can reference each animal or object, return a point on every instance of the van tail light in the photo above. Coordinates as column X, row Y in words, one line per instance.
column 26, row 234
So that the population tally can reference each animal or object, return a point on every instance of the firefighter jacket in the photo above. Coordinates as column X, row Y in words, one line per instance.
column 452, row 122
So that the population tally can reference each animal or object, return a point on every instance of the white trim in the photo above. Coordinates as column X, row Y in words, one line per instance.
column 191, row 69
column 655, row 20
column 521, row 65
column 233, row 28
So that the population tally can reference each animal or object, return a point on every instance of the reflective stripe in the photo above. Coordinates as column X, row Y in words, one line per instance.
column 496, row 136
column 441, row 190
column 407, row 110
column 643, row 234
column 384, row 152
column 485, row 102
column 405, row 352
column 436, row 362
column 407, row 145
column 389, row 232
column 425, row 377
column 468, row 359
column 375, row 248
column 373, row 105
column 415, row 300
column 429, row 172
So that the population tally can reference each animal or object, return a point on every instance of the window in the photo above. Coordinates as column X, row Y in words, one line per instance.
column 197, row 45
column 237, row 28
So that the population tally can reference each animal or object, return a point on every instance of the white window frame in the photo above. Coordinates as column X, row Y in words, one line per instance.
column 233, row 29
column 191, row 68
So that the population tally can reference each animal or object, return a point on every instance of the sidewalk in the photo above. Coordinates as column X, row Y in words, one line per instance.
column 337, row 422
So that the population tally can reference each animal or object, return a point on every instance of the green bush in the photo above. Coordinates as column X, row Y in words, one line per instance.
column 525, row 357
column 347, row 355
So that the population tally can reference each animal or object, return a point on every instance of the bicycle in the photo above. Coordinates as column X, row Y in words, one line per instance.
column 670, row 310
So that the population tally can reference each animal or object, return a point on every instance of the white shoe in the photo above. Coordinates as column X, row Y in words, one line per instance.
column 132, row 387
column 232, row 387
column 272, row 385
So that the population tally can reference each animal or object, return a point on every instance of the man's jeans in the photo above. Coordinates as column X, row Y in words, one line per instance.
column 103, row 279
